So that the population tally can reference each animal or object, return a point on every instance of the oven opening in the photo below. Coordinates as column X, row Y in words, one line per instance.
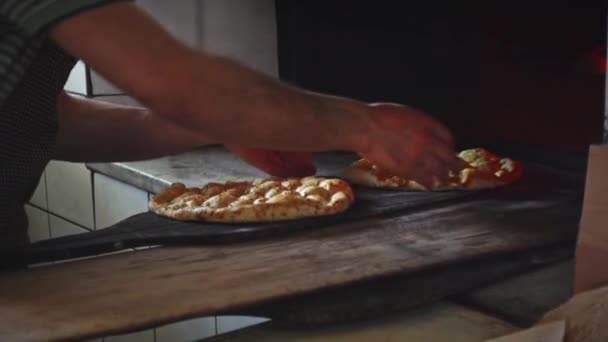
column 505, row 74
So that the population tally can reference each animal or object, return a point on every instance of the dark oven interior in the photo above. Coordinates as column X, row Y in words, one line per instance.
column 513, row 73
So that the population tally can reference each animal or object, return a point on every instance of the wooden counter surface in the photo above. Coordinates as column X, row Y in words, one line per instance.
column 137, row 290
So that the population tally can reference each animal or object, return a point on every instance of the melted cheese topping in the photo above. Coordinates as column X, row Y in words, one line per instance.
column 507, row 164
column 479, row 158
column 480, row 166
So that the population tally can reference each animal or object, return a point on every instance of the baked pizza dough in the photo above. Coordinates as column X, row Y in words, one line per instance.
column 261, row 200
column 482, row 170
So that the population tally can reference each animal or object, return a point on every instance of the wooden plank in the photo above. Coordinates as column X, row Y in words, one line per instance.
column 150, row 229
column 385, row 296
column 437, row 323
column 525, row 298
column 547, row 332
column 540, row 183
column 132, row 291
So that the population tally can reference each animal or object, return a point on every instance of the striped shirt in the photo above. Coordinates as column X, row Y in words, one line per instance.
column 33, row 71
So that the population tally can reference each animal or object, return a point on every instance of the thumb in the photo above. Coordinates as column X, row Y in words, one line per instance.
column 296, row 164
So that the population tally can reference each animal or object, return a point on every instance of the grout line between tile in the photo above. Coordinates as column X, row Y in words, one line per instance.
column 58, row 216
column 75, row 93
column 94, row 96
column 198, row 18
column 88, row 80
column 93, row 199
column 46, row 195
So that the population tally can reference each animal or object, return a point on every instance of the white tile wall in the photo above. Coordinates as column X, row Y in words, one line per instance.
column 241, row 29
column 101, row 86
column 141, row 336
column 39, row 196
column 38, row 228
column 119, row 99
column 178, row 17
column 77, row 81
column 60, row 227
column 116, row 201
column 186, row 331
column 230, row 323
column 70, row 192
column 244, row 30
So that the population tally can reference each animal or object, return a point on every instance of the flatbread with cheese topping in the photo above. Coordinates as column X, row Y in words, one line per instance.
column 260, row 200
column 482, row 170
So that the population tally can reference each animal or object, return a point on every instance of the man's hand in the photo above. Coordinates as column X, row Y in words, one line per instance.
column 276, row 163
column 401, row 140
column 408, row 143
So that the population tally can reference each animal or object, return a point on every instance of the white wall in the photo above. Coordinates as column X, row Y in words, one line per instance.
column 70, row 199
column 243, row 30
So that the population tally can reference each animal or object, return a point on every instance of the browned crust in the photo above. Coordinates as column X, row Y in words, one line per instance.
column 254, row 201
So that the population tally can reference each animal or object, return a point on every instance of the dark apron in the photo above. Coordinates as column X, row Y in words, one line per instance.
column 28, row 127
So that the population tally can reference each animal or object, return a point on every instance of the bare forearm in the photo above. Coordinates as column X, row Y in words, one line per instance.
column 238, row 105
column 94, row 131
column 210, row 94
column 229, row 103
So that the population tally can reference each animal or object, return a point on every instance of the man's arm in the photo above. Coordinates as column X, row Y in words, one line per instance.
column 232, row 104
column 211, row 94
column 95, row 131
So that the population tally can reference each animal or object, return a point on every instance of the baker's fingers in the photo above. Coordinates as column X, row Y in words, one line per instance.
column 297, row 170
column 448, row 158
column 432, row 146
column 431, row 170
column 438, row 131
column 412, row 163
column 295, row 157
column 297, row 164
column 278, row 164
column 429, row 144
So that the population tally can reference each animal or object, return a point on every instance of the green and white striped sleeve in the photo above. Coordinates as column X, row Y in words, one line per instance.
column 34, row 16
